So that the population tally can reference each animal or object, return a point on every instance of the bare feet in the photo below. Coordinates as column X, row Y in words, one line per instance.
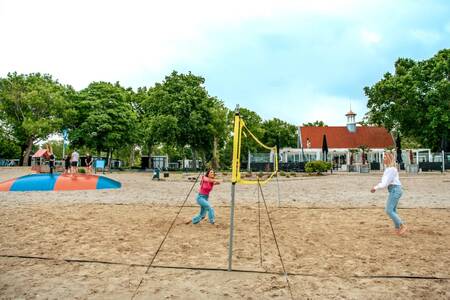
column 402, row 229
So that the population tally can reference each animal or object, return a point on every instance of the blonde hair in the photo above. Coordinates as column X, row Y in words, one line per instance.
column 389, row 159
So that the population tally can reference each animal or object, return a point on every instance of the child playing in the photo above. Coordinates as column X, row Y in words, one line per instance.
column 206, row 185
column 391, row 180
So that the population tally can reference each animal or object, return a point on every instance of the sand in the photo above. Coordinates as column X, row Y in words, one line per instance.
column 333, row 236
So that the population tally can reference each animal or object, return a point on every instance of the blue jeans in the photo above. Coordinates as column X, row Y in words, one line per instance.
column 205, row 207
column 395, row 192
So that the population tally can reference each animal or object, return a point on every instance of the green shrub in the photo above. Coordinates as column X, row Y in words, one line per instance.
column 317, row 166
column 282, row 173
column 82, row 171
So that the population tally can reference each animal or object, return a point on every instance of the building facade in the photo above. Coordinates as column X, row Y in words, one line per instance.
column 347, row 147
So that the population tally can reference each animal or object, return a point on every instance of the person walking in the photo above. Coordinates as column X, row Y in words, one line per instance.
column 206, row 185
column 391, row 180
column 74, row 162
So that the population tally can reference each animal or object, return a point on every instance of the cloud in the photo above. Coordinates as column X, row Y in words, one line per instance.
column 293, row 59
column 370, row 37
column 83, row 41
column 300, row 104
column 425, row 36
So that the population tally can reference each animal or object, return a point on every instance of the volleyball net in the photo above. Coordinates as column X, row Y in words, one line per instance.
column 248, row 152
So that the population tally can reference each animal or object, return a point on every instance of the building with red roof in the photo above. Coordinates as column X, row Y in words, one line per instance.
column 343, row 145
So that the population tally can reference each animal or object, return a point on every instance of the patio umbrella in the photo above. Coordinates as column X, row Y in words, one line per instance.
column 325, row 147
column 398, row 145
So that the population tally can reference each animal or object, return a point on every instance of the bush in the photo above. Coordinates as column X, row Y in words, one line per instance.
column 82, row 171
column 317, row 166
column 293, row 174
column 282, row 173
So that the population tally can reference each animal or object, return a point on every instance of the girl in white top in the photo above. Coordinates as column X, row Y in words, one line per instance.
column 391, row 180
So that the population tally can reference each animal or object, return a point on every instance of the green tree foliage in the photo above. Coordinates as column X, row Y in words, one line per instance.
column 279, row 132
column 254, row 123
column 179, row 112
column 315, row 124
column 57, row 148
column 415, row 100
column 32, row 106
column 105, row 119
column 8, row 146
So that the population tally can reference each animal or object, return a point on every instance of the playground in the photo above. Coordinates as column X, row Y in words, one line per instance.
column 324, row 237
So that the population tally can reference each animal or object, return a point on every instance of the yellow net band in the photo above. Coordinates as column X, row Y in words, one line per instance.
column 256, row 139
column 239, row 125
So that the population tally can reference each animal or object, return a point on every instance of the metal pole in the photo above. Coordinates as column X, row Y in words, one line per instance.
column 443, row 161
column 234, row 178
column 230, row 245
column 278, row 187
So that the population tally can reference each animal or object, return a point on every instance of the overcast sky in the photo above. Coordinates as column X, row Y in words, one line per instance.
column 299, row 61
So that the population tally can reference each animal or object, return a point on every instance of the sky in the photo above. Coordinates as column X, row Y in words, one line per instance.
column 298, row 61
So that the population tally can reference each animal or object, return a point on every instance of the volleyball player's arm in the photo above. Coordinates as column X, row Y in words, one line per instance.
column 387, row 178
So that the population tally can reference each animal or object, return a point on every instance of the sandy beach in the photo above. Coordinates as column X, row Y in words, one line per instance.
column 330, row 235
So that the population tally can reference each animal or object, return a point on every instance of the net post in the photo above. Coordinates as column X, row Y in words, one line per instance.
column 443, row 161
column 230, row 244
column 277, row 153
column 234, row 179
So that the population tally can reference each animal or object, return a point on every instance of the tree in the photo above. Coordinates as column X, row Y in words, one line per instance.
column 218, row 128
column 8, row 146
column 364, row 151
column 315, row 124
column 33, row 107
column 105, row 118
column 179, row 112
column 278, row 132
column 415, row 100
column 254, row 123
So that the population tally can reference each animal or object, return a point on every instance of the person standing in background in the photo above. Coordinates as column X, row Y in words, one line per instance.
column 74, row 162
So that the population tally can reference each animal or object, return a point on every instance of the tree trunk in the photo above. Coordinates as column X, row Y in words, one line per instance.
column 194, row 159
column 110, row 159
column 149, row 148
column 107, row 158
column 215, row 159
column 204, row 160
column 22, row 151
column 27, row 152
column 132, row 156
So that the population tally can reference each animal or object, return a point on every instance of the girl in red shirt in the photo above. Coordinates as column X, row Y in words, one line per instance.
column 206, row 185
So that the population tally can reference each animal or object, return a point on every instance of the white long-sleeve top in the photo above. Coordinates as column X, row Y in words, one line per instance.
column 390, row 176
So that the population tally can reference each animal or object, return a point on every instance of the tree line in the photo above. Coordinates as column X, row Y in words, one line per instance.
column 414, row 101
column 176, row 116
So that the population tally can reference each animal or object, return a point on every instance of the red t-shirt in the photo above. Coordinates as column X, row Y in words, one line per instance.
column 206, row 186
